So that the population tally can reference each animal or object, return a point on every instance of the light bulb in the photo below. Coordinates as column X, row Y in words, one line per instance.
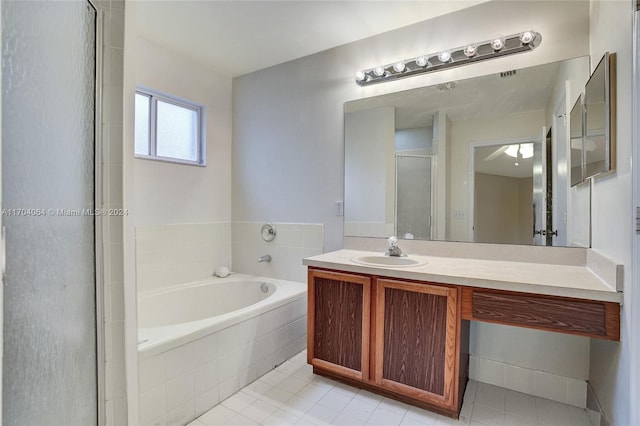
column 527, row 37
column 470, row 50
column 497, row 44
column 399, row 66
column 378, row 71
column 360, row 76
column 444, row 56
column 421, row 61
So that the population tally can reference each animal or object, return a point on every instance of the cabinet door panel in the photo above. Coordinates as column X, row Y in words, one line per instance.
column 416, row 325
column 338, row 338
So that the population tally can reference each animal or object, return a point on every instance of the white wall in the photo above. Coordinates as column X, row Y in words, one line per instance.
column 288, row 119
column 177, row 193
column 611, row 30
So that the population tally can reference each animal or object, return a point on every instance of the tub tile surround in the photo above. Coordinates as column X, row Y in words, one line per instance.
column 293, row 242
column 179, row 385
column 293, row 395
column 177, row 253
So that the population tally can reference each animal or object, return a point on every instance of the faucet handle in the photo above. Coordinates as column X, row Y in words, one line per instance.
column 393, row 241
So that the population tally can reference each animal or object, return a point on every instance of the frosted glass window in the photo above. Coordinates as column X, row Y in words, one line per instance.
column 168, row 128
column 176, row 132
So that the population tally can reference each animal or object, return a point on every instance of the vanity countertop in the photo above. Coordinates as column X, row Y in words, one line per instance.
column 555, row 280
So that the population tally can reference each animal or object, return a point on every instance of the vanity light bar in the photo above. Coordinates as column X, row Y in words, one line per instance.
column 474, row 52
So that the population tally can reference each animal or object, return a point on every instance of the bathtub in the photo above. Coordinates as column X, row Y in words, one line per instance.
column 212, row 337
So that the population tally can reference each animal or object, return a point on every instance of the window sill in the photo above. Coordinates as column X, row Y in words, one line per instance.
column 170, row 160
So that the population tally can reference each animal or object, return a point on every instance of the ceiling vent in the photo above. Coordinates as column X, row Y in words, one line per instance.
column 506, row 74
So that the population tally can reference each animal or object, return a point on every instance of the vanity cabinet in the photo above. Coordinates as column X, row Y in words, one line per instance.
column 398, row 338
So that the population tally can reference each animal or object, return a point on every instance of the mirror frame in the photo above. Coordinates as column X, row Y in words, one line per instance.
column 608, row 61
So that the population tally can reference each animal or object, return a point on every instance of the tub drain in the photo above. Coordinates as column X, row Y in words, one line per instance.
column 264, row 287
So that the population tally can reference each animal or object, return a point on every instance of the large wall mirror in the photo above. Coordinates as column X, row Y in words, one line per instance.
column 485, row 159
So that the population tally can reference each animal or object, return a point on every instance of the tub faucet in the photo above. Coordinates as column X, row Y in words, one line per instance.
column 265, row 258
column 393, row 249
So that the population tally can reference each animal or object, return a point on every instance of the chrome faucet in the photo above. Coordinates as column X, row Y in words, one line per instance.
column 265, row 258
column 393, row 249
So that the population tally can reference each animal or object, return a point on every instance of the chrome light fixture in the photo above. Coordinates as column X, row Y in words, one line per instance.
column 525, row 41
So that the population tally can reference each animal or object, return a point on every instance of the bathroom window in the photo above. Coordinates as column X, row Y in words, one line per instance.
column 168, row 128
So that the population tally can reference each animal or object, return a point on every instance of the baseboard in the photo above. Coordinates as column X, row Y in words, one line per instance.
column 596, row 413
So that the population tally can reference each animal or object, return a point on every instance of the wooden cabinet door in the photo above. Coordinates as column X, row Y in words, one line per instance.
column 415, row 341
column 338, row 323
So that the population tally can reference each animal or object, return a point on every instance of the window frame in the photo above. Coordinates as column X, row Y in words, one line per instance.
column 155, row 96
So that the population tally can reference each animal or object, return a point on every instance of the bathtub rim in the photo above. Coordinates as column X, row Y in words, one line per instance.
column 183, row 333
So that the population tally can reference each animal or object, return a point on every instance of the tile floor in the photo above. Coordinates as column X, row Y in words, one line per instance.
column 292, row 395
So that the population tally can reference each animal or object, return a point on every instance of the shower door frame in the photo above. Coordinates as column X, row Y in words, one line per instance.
column 99, row 220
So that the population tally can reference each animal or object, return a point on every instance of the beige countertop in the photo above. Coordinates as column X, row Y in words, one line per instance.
column 540, row 278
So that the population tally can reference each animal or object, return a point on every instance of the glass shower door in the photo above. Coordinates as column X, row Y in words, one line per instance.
column 413, row 197
column 48, row 136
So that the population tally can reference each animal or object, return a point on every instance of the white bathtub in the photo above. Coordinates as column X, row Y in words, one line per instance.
column 213, row 337
column 176, row 315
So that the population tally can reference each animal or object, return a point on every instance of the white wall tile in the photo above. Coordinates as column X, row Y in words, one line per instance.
column 292, row 243
column 178, row 253
column 178, row 361
column 577, row 393
column 205, row 401
column 179, row 391
column 550, row 386
column 206, row 349
column 519, row 379
column 151, row 372
column 181, row 415
column 152, row 404
column 491, row 372
column 231, row 338
column 205, row 377
column 228, row 387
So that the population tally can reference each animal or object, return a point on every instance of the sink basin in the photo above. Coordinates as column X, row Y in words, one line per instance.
column 388, row 261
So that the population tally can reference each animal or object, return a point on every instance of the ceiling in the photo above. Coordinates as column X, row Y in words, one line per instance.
column 501, row 165
column 238, row 37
